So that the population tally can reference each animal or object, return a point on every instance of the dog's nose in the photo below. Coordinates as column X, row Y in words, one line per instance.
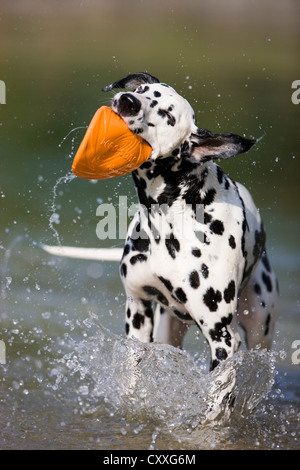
column 128, row 105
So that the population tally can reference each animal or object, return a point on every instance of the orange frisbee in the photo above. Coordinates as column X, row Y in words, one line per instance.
column 109, row 148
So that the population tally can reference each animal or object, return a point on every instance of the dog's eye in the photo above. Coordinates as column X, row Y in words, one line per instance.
column 142, row 89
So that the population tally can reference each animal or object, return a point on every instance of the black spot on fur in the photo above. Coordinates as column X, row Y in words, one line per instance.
column 207, row 218
column 155, row 234
column 209, row 197
column 204, row 271
column 143, row 183
column 194, row 279
column 267, row 281
column 169, row 195
column 123, row 270
column 192, row 194
column 220, row 331
column 231, row 242
column 138, row 320
column 211, row 299
column 267, row 327
column 182, row 316
column 126, row 250
column 150, row 290
column 140, row 239
column 221, row 354
column 196, row 252
column 257, row 289
column 220, row 174
column 147, row 164
column 217, row 227
column 260, row 240
column 172, row 245
column 180, row 294
column 166, row 283
column 148, row 308
column 171, row 121
column 227, row 184
column 265, row 261
column 229, row 292
column 134, row 259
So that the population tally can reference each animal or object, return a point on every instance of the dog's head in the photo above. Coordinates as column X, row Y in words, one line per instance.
column 165, row 120
column 155, row 111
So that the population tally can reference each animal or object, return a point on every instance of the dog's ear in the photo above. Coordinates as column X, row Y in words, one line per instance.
column 131, row 82
column 208, row 146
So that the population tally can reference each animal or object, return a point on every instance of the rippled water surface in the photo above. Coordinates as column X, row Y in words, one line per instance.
column 71, row 382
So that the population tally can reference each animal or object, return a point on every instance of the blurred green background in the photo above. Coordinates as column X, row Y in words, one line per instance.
column 234, row 61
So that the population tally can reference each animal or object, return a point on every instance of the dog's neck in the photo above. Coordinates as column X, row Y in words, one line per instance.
column 164, row 180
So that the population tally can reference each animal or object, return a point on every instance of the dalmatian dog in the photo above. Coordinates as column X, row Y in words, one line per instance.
column 196, row 246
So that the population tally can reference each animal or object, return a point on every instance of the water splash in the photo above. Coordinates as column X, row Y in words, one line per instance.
column 54, row 216
column 73, row 139
column 5, row 278
column 162, row 384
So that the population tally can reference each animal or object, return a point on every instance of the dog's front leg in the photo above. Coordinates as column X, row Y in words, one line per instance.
column 223, row 341
column 139, row 319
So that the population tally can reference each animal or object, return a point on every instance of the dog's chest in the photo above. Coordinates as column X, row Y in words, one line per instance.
column 181, row 232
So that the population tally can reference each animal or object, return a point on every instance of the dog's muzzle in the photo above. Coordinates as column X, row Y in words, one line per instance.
column 128, row 105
